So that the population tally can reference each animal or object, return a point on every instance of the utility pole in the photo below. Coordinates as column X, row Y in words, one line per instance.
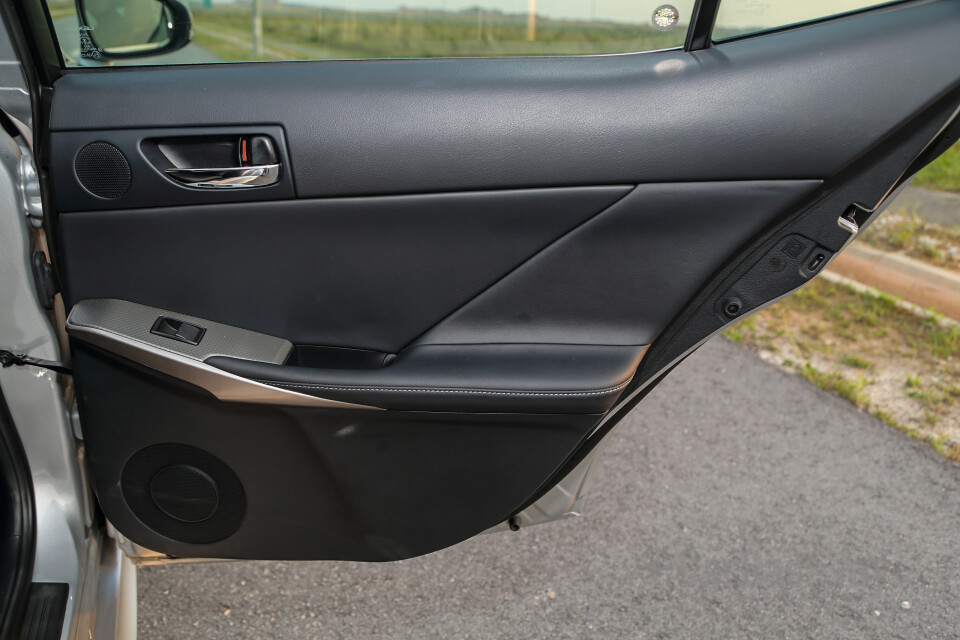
column 257, row 27
column 532, row 21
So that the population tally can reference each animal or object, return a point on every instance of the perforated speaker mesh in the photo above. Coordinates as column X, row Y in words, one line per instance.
column 181, row 507
column 103, row 170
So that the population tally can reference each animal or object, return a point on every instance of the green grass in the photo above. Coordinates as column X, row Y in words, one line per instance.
column 907, row 232
column 943, row 173
column 933, row 394
column 852, row 391
column 843, row 341
column 857, row 362
column 852, row 314
column 833, row 382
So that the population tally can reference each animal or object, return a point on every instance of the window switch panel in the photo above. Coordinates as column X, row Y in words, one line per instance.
column 178, row 330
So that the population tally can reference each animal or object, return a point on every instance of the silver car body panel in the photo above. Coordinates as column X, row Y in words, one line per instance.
column 70, row 549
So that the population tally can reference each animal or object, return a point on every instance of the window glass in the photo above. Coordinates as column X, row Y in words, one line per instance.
column 351, row 29
column 740, row 17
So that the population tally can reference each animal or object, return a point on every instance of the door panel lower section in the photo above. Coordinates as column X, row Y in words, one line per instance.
column 315, row 483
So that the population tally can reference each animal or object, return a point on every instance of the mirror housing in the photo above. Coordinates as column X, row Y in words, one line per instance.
column 114, row 29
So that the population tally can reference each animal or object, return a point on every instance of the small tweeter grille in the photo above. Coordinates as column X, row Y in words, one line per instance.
column 103, row 170
column 184, row 493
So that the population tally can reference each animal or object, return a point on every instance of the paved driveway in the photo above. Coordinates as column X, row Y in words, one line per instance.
column 736, row 502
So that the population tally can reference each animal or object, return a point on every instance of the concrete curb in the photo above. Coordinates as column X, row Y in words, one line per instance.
column 914, row 281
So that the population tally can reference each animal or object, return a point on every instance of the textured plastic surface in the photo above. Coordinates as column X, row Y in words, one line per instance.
column 44, row 617
column 134, row 321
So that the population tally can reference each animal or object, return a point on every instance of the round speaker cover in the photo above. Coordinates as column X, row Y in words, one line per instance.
column 184, row 493
column 103, row 170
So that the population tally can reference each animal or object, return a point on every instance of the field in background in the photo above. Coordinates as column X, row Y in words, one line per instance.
column 302, row 33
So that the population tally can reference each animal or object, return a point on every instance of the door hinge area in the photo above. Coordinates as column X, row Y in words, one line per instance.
column 30, row 188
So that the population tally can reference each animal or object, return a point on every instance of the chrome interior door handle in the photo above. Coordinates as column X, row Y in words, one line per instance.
column 227, row 178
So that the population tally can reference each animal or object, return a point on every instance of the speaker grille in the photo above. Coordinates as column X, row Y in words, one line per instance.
column 183, row 493
column 103, row 170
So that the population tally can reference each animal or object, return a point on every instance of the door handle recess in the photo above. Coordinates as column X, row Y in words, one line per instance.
column 227, row 178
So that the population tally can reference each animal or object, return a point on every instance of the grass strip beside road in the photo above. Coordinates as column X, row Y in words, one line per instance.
column 908, row 233
column 898, row 365
column 943, row 174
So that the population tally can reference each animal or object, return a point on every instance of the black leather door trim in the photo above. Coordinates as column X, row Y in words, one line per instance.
column 515, row 378
column 366, row 273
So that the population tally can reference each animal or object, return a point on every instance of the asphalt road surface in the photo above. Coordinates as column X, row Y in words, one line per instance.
column 736, row 502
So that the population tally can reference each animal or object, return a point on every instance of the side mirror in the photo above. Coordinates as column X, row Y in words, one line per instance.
column 132, row 28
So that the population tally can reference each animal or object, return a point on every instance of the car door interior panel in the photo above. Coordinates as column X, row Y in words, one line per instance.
column 377, row 307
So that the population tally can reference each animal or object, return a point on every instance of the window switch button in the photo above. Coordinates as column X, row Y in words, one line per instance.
column 177, row 330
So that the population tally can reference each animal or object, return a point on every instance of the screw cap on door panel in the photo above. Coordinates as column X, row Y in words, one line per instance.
column 227, row 178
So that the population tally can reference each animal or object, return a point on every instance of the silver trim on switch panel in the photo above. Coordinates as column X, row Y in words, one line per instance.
column 123, row 328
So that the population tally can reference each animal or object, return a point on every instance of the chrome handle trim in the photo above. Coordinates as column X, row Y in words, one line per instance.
column 227, row 177
column 224, row 386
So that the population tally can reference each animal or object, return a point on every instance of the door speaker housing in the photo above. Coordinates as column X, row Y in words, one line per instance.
column 103, row 170
column 184, row 493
